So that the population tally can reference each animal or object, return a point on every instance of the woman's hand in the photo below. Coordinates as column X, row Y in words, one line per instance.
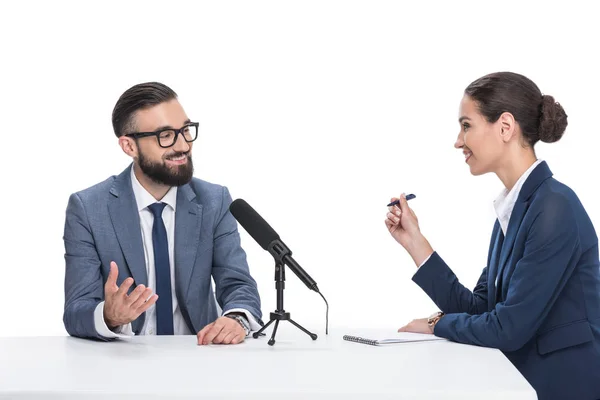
column 402, row 222
column 417, row 326
column 403, row 225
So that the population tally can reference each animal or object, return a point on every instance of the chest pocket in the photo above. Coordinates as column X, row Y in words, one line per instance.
column 564, row 336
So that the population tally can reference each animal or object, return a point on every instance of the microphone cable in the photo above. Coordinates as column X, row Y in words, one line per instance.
column 326, row 314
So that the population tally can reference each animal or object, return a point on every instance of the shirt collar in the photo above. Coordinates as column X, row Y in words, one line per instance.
column 505, row 202
column 143, row 199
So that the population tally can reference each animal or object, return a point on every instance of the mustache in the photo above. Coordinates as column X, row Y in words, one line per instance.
column 176, row 154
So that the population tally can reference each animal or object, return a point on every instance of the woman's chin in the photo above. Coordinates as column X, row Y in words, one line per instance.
column 475, row 171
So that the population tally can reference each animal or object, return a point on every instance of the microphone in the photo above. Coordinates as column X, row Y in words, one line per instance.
column 268, row 239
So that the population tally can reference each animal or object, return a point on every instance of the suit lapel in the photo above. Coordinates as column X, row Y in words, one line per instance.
column 535, row 179
column 188, row 221
column 126, row 222
column 498, row 239
column 513, row 227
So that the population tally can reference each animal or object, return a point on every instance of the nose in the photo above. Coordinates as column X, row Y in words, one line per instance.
column 460, row 140
column 181, row 145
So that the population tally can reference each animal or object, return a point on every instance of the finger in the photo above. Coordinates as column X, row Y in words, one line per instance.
column 134, row 295
column 229, row 338
column 149, row 303
column 124, row 288
column 212, row 333
column 392, row 218
column 407, row 327
column 113, row 274
column 238, row 338
column 390, row 225
column 224, row 334
column 203, row 332
column 144, row 296
column 395, row 210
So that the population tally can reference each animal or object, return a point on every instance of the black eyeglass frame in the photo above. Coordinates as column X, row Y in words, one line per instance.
column 137, row 135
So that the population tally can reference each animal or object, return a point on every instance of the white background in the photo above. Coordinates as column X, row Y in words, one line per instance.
column 315, row 112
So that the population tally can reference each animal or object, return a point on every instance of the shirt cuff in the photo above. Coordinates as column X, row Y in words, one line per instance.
column 103, row 330
column 254, row 326
column 427, row 259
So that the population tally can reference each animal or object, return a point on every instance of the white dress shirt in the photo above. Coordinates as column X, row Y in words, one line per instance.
column 505, row 202
column 143, row 200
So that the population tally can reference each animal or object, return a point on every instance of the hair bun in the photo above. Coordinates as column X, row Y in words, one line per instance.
column 553, row 120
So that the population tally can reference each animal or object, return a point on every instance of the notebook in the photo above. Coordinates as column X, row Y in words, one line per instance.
column 401, row 337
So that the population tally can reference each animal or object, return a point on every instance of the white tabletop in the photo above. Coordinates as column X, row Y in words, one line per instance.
column 150, row 367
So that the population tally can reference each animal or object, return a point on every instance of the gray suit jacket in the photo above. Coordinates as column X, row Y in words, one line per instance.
column 103, row 225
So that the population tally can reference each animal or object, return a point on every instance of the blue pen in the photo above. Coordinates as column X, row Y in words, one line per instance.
column 396, row 202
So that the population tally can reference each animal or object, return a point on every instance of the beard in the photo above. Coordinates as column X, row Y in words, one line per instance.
column 160, row 173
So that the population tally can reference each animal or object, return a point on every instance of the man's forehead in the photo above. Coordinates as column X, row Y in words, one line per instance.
column 167, row 114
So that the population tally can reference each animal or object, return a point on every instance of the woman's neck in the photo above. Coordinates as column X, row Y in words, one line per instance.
column 515, row 166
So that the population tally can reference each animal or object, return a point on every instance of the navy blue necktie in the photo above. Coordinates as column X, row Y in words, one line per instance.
column 164, row 304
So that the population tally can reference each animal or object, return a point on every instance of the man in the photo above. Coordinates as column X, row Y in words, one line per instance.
column 141, row 247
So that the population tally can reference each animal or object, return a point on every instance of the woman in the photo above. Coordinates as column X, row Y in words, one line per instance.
column 538, row 299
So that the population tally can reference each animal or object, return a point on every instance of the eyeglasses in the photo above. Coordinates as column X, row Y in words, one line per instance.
column 168, row 137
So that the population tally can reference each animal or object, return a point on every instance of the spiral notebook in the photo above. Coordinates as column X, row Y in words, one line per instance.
column 403, row 337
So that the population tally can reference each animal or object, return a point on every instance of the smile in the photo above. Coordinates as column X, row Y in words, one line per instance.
column 182, row 159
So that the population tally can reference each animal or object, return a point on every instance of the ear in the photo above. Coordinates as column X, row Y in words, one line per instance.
column 128, row 146
column 508, row 126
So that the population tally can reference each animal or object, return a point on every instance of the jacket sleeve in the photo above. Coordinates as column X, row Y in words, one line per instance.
column 443, row 287
column 83, row 279
column 235, row 287
column 551, row 253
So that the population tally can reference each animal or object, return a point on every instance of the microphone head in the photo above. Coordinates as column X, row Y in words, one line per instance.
column 253, row 223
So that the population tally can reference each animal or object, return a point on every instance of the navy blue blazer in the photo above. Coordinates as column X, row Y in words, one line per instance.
column 544, row 310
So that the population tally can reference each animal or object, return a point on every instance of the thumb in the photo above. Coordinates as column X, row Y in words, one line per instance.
column 404, row 204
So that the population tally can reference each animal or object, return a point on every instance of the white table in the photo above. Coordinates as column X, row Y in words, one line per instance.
column 295, row 368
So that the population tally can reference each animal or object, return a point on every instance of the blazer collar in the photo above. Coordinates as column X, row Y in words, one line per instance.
column 535, row 179
column 533, row 182
column 126, row 223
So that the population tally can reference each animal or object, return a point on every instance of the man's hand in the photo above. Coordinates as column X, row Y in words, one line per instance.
column 120, row 308
column 223, row 331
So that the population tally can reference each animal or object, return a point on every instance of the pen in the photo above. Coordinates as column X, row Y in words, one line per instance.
column 408, row 197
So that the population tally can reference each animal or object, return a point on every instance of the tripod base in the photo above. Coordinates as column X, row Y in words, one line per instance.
column 281, row 316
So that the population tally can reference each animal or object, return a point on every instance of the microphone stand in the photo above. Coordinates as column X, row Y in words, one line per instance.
column 280, row 314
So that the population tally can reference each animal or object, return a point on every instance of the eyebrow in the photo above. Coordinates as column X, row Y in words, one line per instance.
column 461, row 119
column 165, row 127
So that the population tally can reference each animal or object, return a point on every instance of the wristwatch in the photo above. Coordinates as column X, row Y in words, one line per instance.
column 242, row 321
column 434, row 318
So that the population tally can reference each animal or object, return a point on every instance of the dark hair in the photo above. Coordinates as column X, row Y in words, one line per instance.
column 538, row 115
column 136, row 98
